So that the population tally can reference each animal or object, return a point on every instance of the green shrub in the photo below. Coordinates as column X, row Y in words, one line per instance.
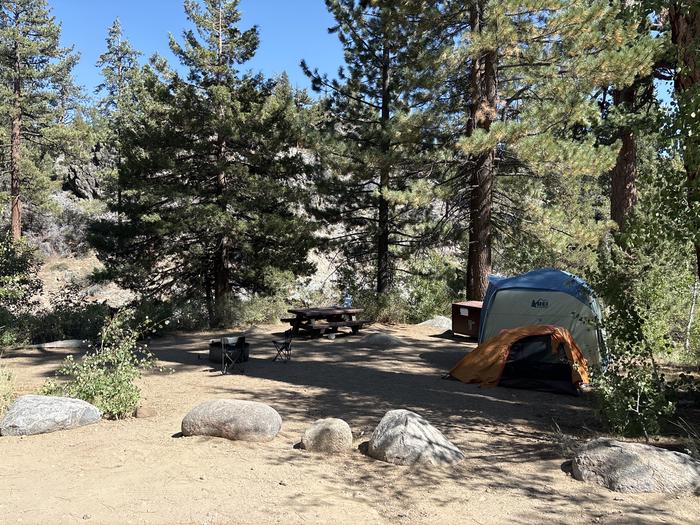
column 106, row 375
column 434, row 282
column 19, row 286
column 70, row 316
column 186, row 314
column 387, row 308
column 632, row 394
column 7, row 387
column 266, row 307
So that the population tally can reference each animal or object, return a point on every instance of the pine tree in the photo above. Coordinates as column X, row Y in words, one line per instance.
column 120, row 70
column 121, row 83
column 35, row 88
column 529, row 73
column 213, row 187
column 375, row 144
column 685, row 29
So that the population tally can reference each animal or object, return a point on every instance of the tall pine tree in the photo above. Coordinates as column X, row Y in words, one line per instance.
column 529, row 73
column 376, row 146
column 35, row 88
column 213, row 187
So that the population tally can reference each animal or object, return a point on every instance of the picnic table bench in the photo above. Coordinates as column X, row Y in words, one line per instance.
column 319, row 320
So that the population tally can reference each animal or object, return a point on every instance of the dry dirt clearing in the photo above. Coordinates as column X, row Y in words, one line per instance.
column 141, row 471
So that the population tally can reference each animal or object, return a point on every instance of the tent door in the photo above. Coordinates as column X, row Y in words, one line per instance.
column 531, row 364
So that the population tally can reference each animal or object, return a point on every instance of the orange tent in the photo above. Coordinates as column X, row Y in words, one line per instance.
column 486, row 363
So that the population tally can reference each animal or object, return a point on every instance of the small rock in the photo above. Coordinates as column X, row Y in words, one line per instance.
column 31, row 414
column 380, row 340
column 405, row 438
column 233, row 419
column 328, row 435
column 142, row 412
column 634, row 467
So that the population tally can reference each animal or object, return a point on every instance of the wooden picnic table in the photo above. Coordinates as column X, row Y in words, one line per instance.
column 317, row 320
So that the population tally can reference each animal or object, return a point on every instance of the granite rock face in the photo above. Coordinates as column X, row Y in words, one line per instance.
column 32, row 414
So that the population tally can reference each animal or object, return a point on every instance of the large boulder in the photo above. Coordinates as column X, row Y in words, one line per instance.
column 31, row 414
column 233, row 419
column 328, row 435
column 439, row 321
column 634, row 467
column 405, row 438
column 380, row 340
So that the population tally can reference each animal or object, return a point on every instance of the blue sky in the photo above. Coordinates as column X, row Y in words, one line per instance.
column 289, row 31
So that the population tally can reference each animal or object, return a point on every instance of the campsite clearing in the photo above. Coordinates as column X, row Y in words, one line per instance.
column 140, row 471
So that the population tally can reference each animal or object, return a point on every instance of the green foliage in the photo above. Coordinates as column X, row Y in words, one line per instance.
column 389, row 307
column 7, row 386
column 37, row 95
column 70, row 316
column 378, row 147
column 266, row 307
column 633, row 396
column 18, row 274
column 434, row 281
column 213, row 187
column 427, row 286
column 106, row 375
column 19, row 285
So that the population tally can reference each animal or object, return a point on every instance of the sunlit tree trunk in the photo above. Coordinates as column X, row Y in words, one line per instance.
column 482, row 112
column 685, row 34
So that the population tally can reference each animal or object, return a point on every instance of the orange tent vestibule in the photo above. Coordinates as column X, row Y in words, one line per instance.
column 486, row 363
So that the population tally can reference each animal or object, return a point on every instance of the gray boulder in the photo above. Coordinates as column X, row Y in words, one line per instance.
column 439, row 321
column 380, row 340
column 328, row 435
column 30, row 415
column 634, row 467
column 233, row 419
column 405, row 438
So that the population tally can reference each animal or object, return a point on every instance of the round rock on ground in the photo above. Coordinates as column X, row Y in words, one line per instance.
column 403, row 437
column 439, row 321
column 31, row 414
column 233, row 419
column 330, row 435
column 381, row 340
column 634, row 467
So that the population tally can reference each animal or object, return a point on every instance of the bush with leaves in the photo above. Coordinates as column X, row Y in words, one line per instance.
column 19, row 286
column 71, row 316
column 632, row 393
column 7, row 386
column 106, row 375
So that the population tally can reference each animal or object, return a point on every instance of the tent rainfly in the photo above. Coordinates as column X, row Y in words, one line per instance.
column 540, row 357
column 544, row 297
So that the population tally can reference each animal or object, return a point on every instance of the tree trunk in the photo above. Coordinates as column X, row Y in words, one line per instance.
column 384, row 273
column 480, row 235
column 15, row 174
column 685, row 34
column 623, row 195
column 222, row 287
column 482, row 112
column 222, row 292
column 16, row 153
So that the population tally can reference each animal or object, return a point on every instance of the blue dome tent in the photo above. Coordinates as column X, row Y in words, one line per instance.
column 544, row 296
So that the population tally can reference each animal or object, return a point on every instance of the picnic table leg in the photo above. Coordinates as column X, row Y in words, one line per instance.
column 295, row 326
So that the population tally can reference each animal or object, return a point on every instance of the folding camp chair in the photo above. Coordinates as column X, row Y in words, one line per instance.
column 284, row 348
column 232, row 354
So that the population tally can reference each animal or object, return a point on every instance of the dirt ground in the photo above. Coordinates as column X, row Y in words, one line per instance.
column 142, row 471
